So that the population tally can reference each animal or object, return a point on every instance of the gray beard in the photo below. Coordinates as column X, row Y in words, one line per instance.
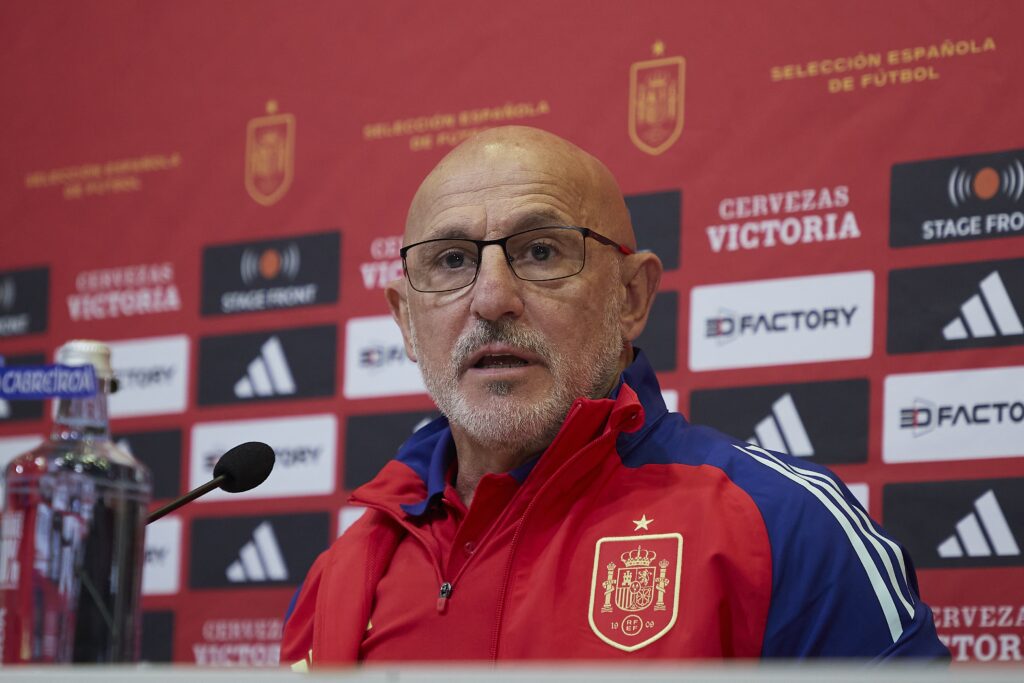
column 504, row 422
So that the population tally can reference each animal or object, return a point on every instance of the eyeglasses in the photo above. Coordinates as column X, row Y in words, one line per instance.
column 550, row 253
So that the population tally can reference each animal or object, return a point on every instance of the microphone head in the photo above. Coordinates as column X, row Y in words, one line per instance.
column 246, row 466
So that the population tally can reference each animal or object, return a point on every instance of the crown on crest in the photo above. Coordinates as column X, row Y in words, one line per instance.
column 638, row 557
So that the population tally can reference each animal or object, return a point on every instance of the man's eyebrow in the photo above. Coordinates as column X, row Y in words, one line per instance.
column 452, row 232
column 540, row 219
column 528, row 221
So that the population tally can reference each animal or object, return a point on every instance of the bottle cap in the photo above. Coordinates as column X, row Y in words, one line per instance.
column 87, row 352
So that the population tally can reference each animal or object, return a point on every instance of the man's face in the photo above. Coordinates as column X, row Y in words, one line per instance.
column 505, row 358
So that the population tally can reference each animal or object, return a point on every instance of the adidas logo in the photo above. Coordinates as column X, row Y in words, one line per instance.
column 783, row 430
column 981, row 533
column 989, row 313
column 259, row 560
column 268, row 374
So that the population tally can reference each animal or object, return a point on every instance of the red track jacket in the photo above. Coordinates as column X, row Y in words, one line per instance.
column 634, row 535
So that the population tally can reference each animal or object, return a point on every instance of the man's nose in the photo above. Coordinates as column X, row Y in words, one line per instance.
column 496, row 291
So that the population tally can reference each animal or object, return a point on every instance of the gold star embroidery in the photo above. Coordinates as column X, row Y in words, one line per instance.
column 642, row 523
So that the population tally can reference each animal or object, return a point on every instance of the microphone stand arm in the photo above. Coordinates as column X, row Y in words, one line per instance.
column 187, row 498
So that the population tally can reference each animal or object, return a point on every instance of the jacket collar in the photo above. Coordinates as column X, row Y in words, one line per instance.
column 632, row 409
column 640, row 377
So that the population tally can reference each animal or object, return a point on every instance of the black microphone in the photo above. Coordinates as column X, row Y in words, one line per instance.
column 244, row 467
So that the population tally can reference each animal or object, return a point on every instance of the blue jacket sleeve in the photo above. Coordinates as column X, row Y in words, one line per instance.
column 840, row 586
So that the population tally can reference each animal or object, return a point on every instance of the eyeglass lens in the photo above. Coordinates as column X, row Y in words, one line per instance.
column 542, row 254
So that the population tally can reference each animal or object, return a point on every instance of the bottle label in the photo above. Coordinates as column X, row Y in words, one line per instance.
column 35, row 382
column 10, row 541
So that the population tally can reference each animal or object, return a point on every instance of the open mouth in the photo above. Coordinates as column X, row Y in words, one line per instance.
column 499, row 361
column 501, row 357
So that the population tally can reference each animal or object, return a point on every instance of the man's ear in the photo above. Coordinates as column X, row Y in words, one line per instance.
column 641, row 273
column 396, row 293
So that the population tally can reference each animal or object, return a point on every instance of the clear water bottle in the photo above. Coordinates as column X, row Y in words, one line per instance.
column 71, row 535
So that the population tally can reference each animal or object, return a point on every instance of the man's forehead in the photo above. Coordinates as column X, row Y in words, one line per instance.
column 505, row 170
column 476, row 223
column 495, row 201
column 495, row 176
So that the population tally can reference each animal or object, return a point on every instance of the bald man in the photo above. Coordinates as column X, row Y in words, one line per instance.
column 557, row 510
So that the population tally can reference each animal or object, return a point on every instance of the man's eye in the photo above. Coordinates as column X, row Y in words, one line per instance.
column 453, row 259
column 541, row 252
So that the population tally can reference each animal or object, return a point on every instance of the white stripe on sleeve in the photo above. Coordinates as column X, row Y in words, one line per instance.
column 878, row 584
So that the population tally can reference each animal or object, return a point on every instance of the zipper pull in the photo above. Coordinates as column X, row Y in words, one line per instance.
column 442, row 597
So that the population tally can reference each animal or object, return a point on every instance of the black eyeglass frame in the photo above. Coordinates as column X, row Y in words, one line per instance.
column 501, row 241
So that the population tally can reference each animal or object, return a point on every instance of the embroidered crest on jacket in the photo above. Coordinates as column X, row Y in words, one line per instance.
column 634, row 592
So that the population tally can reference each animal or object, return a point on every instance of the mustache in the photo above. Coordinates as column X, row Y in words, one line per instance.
column 501, row 331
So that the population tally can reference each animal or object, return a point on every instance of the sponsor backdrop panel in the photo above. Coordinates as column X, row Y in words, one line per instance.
column 376, row 363
column 161, row 574
column 372, row 440
column 271, row 274
column 19, row 411
column 981, row 304
column 659, row 338
column 844, row 280
column 954, row 415
column 152, row 374
column 267, row 366
column 782, row 322
column 161, row 453
column 267, row 550
column 973, row 523
column 157, row 636
column 656, row 221
column 960, row 198
column 24, row 301
column 304, row 447
column 822, row 421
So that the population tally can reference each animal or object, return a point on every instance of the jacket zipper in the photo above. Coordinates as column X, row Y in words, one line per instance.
column 515, row 542
column 442, row 597
column 447, row 587
column 445, row 591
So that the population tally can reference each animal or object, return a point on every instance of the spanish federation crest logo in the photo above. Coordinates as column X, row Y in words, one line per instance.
column 634, row 593
column 656, row 89
column 269, row 155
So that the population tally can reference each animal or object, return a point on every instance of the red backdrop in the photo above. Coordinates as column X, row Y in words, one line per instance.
column 223, row 184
